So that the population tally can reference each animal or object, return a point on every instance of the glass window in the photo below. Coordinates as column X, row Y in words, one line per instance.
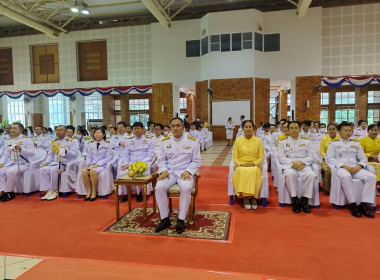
column 93, row 106
column 258, row 42
column 345, row 115
column 182, row 115
column 117, row 105
column 346, row 97
column 236, row 42
column 373, row 116
column 289, row 100
column 138, row 117
column 324, row 116
column 215, row 43
column 225, row 42
column 271, row 42
column 58, row 110
column 138, row 104
column 204, row 43
column 373, row 96
column 183, row 103
column 324, row 98
column 16, row 110
column 193, row 48
column 247, row 40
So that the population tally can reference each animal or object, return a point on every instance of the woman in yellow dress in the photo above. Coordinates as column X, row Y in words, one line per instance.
column 248, row 154
column 371, row 148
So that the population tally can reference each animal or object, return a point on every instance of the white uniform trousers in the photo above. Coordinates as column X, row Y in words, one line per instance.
column 49, row 178
column 10, row 176
column 161, row 193
column 366, row 177
column 307, row 177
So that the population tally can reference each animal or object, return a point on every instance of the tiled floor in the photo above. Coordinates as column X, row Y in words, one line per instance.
column 218, row 154
column 12, row 267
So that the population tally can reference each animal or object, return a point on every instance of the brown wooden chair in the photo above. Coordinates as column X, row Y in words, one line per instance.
column 174, row 192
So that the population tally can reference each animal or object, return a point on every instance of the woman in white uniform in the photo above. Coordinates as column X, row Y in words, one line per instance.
column 230, row 126
column 99, row 153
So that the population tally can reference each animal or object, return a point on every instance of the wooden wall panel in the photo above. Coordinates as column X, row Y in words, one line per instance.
column 124, row 108
column 262, row 94
column 45, row 64
column 37, row 119
column 162, row 95
column 306, row 90
column 108, row 107
column 201, row 100
column 92, row 61
column 6, row 66
column 283, row 106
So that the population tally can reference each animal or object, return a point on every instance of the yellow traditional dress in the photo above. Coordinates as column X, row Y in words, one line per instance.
column 247, row 180
column 371, row 146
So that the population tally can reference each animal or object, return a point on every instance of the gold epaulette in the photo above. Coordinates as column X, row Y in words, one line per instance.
column 283, row 139
column 148, row 136
column 75, row 137
column 25, row 136
column 355, row 140
column 107, row 141
column 314, row 131
column 55, row 139
column 166, row 138
column 191, row 137
column 87, row 138
column 69, row 139
column 305, row 138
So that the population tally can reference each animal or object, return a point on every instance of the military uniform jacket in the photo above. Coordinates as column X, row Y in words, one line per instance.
column 42, row 142
column 100, row 156
column 1, row 146
column 359, row 133
column 116, row 139
column 267, row 141
column 9, row 157
column 291, row 150
column 349, row 152
column 178, row 155
column 196, row 134
column 310, row 135
column 138, row 149
column 68, row 144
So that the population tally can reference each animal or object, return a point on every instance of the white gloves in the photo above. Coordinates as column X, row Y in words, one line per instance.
column 62, row 152
column 12, row 146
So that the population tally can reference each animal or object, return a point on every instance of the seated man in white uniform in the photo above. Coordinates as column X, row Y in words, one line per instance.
column 41, row 141
column 62, row 151
column 360, row 131
column 178, row 161
column 305, row 130
column 7, row 132
column 14, row 161
column 138, row 148
column 296, row 156
column 349, row 159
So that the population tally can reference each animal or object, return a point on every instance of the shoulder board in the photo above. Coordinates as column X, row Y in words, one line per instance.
column 25, row 136
column 335, row 140
column 166, row 138
column 305, row 138
column 191, row 137
column 148, row 136
column 107, row 141
column 55, row 139
column 353, row 140
column 266, row 133
column 69, row 139
column 91, row 141
column 87, row 137
column 283, row 139
column 75, row 137
column 313, row 131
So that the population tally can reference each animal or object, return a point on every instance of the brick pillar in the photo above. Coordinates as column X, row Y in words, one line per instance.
column 332, row 106
column 37, row 119
column 162, row 96
column 283, row 106
column 190, row 109
column 262, row 94
column 108, row 105
column 124, row 107
column 201, row 100
column 361, row 104
column 306, row 91
column 83, row 117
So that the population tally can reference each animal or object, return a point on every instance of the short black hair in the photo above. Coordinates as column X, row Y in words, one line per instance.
column 266, row 125
column 176, row 118
column 322, row 124
column 20, row 125
column 343, row 124
column 122, row 123
column 102, row 130
column 244, row 122
column 70, row 127
column 160, row 125
column 138, row 124
column 297, row 122
column 362, row 121
column 371, row 126
column 306, row 122
column 332, row 124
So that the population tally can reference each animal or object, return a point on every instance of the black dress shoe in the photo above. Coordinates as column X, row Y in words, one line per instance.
column 8, row 196
column 86, row 198
column 296, row 205
column 305, row 205
column 124, row 198
column 2, row 196
column 93, row 198
column 139, row 197
column 364, row 210
column 180, row 228
column 355, row 210
column 164, row 224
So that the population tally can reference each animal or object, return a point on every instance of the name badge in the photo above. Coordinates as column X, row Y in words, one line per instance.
column 287, row 145
column 186, row 147
column 169, row 146
column 302, row 145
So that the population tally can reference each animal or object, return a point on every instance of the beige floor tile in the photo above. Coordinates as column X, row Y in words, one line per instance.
column 14, row 270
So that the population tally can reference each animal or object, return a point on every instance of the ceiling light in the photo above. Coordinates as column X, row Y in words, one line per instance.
column 80, row 6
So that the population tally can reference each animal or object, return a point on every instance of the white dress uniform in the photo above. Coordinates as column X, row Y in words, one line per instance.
column 275, row 136
column 197, row 134
column 5, row 136
column 267, row 142
column 309, row 135
column 205, row 135
column 359, row 133
column 230, row 130
column 99, row 154
column 2, row 145
column 137, row 149
column 349, row 152
column 115, row 141
column 42, row 142
column 15, row 161
column 49, row 174
column 291, row 150
column 177, row 156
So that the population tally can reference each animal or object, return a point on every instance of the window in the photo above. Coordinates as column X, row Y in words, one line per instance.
column 215, row 43
column 193, row 48
column 204, row 43
column 93, row 106
column 373, row 96
column 258, row 42
column 272, row 42
column 236, row 42
column 183, row 103
column 345, row 115
column 247, row 40
column 373, row 116
column 324, row 117
column 225, row 42
column 272, row 108
column 137, row 117
column 16, row 111
column 289, row 100
column 117, row 105
column 324, row 98
column 58, row 110
column 138, row 104
column 345, row 97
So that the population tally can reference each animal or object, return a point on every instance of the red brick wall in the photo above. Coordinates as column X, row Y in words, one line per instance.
column 37, row 119
column 108, row 109
column 283, row 107
column 230, row 89
column 190, row 109
column 162, row 95
column 124, row 108
column 306, row 90
column 262, row 94
column 201, row 100
column 361, row 103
